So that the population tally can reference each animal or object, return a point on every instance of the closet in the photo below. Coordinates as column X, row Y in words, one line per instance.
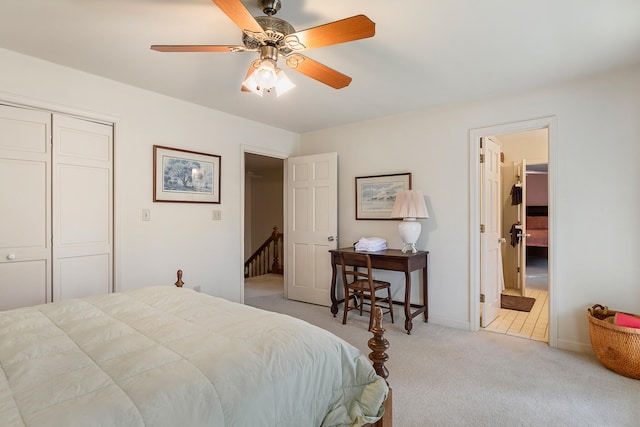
column 56, row 207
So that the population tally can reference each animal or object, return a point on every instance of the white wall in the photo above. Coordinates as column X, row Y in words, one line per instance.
column 178, row 235
column 597, row 155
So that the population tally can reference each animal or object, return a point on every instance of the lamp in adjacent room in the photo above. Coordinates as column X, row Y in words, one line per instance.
column 409, row 206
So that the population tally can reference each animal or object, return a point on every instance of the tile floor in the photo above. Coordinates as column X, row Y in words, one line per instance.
column 535, row 324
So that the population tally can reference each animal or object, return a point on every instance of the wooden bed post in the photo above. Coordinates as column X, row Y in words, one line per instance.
column 179, row 283
column 379, row 345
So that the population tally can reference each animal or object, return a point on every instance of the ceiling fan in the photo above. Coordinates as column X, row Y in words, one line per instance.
column 273, row 37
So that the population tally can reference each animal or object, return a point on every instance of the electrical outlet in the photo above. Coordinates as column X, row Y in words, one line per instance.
column 217, row 215
column 146, row 215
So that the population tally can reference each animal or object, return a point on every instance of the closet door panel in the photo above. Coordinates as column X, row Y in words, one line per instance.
column 24, row 131
column 23, row 284
column 25, row 207
column 82, row 276
column 82, row 221
column 24, row 214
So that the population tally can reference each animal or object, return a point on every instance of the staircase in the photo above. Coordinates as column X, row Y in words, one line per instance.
column 266, row 259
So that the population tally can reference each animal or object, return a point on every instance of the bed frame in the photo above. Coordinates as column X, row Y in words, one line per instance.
column 378, row 356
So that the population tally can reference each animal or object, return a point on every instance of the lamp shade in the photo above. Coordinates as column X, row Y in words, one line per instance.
column 409, row 204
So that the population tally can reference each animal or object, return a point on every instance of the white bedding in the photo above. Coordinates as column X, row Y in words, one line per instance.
column 165, row 356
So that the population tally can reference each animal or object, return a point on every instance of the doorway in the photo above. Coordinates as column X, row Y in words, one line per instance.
column 521, row 133
column 523, row 218
column 263, row 215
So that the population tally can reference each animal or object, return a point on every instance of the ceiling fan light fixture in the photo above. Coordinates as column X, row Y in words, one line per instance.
column 267, row 76
column 274, row 37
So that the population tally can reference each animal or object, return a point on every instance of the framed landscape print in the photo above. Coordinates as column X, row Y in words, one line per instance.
column 185, row 176
column 375, row 195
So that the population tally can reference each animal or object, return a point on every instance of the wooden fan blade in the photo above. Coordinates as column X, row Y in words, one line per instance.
column 346, row 30
column 317, row 71
column 196, row 48
column 239, row 14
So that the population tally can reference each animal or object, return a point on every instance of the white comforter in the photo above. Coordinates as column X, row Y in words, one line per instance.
column 164, row 356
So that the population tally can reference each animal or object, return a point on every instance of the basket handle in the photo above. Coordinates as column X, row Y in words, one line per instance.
column 604, row 309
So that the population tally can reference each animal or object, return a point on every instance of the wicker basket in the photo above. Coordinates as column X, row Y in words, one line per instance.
column 617, row 347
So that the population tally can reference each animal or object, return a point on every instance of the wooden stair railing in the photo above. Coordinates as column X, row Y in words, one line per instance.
column 266, row 259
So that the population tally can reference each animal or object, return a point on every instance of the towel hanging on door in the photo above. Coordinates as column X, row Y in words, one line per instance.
column 516, row 194
column 515, row 234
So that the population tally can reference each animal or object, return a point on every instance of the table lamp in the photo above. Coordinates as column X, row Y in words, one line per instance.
column 409, row 206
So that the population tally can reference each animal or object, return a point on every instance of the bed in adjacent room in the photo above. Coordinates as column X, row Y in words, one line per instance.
column 168, row 356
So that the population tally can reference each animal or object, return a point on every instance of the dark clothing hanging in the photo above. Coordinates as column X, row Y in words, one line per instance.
column 515, row 235
column 516, row 195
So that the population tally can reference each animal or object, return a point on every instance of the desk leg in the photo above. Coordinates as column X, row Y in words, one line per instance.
column 334, row 300
column 408, row 323
column 425, row 282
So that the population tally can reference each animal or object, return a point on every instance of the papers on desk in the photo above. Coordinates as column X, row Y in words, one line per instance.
column 370, row 244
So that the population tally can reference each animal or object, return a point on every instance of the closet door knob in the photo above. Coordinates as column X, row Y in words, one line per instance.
column 11, row 257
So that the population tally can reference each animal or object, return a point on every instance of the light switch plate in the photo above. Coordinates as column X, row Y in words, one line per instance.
column 146, row 215
column 217, row 215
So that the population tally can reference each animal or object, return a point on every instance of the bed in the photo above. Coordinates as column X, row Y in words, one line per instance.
column 538, row 231
column 168, row 356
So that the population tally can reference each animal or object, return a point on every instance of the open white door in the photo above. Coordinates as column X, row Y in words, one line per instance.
column 522, row 216
column 491, row 275
column 312, row 226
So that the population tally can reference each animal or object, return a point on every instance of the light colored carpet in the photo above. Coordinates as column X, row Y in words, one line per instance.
column 450, row 377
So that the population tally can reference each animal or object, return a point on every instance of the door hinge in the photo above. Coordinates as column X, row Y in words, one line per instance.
column 481, row 158
column 481, row 297
column 518, row 269
column 482, row 228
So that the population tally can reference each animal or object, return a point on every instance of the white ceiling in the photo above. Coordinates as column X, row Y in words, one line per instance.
column 425, row 52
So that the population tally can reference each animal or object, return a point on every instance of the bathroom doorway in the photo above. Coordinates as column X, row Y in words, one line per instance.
column 531, row 142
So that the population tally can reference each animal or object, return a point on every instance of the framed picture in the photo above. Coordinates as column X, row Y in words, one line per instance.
column 375, row 195
column 185, row 176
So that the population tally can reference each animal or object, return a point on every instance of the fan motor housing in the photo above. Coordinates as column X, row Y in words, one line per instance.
column 276, row 30
column 270, row 7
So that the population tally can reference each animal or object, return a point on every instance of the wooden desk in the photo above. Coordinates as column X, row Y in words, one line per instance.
column 393, row 260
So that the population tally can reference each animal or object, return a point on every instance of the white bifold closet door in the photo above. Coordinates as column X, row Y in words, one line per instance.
column 56, row 207
column 25, row 207
column 82, row 208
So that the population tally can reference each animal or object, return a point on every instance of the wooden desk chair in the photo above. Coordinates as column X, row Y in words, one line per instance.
column 359, row 285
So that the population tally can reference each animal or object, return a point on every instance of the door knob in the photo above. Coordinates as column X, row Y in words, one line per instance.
column 11, row 257
column 331, row 238
column 502, row 240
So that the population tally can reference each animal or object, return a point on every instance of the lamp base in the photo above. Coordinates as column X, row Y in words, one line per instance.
column 409, row 230
column 409, row 247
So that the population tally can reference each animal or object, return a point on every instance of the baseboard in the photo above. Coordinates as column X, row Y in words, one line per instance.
column 575, row 346
column 445, row 321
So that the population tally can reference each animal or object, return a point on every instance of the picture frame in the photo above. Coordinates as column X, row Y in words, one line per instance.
column 376, row 194
column 183, row 176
